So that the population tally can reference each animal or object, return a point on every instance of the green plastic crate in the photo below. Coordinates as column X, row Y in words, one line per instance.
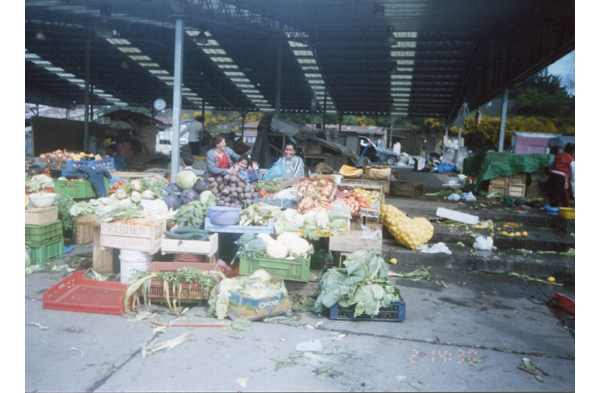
column 48, row 253
column 288, row 269
column 41, row 235
column 77, row 188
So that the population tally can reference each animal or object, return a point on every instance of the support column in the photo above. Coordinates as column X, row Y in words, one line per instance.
column 86, row 102
column 327, row 135
column 446, row 128
column 503, row 121
column 278, row 85
column 391, row 132
column 177, row 79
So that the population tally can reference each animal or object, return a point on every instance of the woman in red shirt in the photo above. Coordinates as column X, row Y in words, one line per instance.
column 220, row 158
column 562, row 169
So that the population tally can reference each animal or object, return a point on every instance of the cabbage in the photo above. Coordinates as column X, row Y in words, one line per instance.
column 188, row 195
column 172, row 201
column 185, row 179
column 201, row 185
column 172, row 189
column 208, row 198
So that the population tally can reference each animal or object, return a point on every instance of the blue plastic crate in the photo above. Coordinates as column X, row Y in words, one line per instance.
column 396, row 312
column 269, row 228
column 106, row 163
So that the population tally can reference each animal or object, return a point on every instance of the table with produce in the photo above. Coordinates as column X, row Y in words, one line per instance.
column 221, row 238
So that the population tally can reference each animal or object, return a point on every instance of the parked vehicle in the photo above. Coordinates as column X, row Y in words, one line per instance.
column 377, row 154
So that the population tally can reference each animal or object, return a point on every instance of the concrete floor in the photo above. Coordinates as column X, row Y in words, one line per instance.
column 467, row 329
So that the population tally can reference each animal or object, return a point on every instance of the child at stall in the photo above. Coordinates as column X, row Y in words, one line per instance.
column 247, row 171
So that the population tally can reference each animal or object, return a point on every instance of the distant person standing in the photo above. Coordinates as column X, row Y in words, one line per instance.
column 195, row 133
column 562, row 170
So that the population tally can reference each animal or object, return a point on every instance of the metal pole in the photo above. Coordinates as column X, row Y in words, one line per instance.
column 459, row 132
column 391, row 131
column 336, row 134
column 446, row 129
column 91, row 102
column 324, row 115
column 204, row 99
column 243, row 121
column 86, row 102
column 278, row 85
column 177, row 78
column 503, row 121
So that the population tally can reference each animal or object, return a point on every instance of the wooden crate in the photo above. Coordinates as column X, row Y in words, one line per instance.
column 41, row 215
column 153, row 231
column 516, row 190
column 313, row 149
column 133, row 237
column 105, row 259
column 310, row 288
column 364, row 183
column 83, row 234
column 521, row 179
column 407, row 190
column 175, row 246
column 492, row 189
column 351, row 241
column 499, row 181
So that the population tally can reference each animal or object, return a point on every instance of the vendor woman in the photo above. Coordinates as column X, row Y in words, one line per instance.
column 293, row 164
column 562, row 170
column 220, row 159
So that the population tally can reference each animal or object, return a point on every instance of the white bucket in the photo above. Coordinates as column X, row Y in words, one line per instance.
column 132, row 260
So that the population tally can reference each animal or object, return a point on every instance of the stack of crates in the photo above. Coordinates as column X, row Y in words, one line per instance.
column 45, row 242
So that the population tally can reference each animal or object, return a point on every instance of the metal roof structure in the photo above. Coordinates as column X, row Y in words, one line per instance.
column 419, row 58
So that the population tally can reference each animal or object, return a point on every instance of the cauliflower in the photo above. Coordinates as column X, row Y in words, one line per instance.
column 148, row 194
column 322, row 218
column 277, row 250
column 299, row 247
column 266, row 238
column 136, row 197
column 136, row 185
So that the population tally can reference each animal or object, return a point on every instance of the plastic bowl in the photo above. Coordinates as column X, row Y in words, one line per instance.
column 42, row 200
column 222, row 215
column 568, row 213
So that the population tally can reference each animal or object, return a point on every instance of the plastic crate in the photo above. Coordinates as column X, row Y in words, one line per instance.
column 48, row 253
column 41, row 235
column 76, row 293
column 77, row 188
column 269, row 228
column 396, row 312
column 289, row 269
column 190, row 292
column 106, row 163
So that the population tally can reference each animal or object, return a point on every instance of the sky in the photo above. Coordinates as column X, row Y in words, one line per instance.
column 565, row 68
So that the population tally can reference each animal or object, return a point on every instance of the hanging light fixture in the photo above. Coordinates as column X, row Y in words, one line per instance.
column 201, row 37
column 40, row 36
column 391, row 38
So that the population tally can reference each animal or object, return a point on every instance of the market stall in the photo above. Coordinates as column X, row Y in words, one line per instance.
column 185, row 241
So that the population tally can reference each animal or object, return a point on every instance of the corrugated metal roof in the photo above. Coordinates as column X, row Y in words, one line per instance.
column 420, row 58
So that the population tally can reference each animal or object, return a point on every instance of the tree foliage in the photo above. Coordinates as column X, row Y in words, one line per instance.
column 543, row 96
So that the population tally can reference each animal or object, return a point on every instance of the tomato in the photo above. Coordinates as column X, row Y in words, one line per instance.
column 263, row 194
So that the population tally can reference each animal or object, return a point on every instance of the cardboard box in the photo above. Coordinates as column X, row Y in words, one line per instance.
column 253, row 309
column 41, row 215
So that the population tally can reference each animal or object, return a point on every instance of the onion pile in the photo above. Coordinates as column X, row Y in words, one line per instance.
column 58, row 154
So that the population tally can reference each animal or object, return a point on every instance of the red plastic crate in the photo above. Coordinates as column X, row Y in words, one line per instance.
column 193, row 292
column 76, row 293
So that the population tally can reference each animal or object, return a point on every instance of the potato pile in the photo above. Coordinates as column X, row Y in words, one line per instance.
column 409, row 232
column 231, row 190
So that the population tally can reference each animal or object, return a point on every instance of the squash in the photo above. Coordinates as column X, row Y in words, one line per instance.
column 351, row 172
column 378, row 173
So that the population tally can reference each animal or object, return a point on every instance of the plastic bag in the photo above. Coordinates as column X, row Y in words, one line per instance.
column 277, row 170
column 435, row 249
column 469, row 197
column 484, row 243
column 368, row 233
column 454, row 197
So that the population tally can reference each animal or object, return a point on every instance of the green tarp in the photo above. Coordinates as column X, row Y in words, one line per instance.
column 489, row 165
